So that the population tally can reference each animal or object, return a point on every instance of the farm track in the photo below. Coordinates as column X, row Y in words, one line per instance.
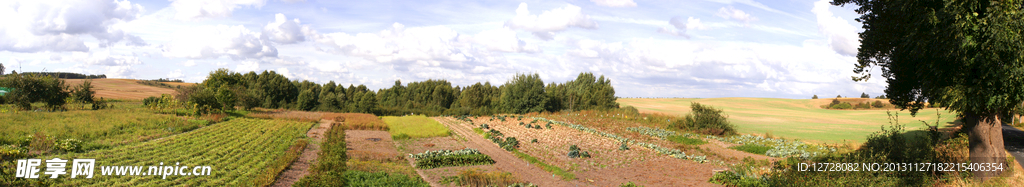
column 505, row 161
column 300, row 167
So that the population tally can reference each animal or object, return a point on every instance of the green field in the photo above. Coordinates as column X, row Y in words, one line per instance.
column 415, row 127
column 795, row 118
column 237, row 151
column 105, row 127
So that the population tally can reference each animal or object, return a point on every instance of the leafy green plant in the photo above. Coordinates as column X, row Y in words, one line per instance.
column 686, row 140
column 751, row 148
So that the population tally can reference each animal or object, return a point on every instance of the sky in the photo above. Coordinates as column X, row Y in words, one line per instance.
column 662, row 48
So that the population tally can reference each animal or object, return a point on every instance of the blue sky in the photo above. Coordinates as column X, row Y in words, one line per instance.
column 710, row 48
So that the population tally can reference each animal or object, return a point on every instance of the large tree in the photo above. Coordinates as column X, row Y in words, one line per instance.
column 965, row 54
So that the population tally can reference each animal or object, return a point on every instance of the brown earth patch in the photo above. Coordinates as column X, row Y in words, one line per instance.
column 371, row 145
column 300, row 167
column 126, row 89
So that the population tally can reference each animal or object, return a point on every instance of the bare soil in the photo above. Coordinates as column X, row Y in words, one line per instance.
column 300, row 167
column 371, row 145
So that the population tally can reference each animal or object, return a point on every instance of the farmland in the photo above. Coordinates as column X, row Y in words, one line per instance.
column 415, row 127
column 237, row 150
column 796, row 118
column 126, row 89
column 100, row 128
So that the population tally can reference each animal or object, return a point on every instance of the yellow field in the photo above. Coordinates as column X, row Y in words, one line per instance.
column 796, row 118
column 126, row 89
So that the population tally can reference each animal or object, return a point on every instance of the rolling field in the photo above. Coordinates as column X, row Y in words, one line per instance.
column 127, row 89
column 237, row 152
column 795, row 118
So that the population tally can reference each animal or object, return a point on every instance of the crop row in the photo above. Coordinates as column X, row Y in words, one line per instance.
column 779, row 147
column 656, row 132
column 237, row 151
column 675, row 153
column 448, row 158
column 444, row 152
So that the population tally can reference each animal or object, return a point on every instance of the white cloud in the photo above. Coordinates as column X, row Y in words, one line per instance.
column 198, row 9
column 842, row 36
column 682, row 26
column 247, row 66
column 504, row 40
column 236, row 42
column 736, row 14
column 189, row 63
column 284, row 31
column 615, row 3
column 35, row 26
column 550, row 21
column 176, row 74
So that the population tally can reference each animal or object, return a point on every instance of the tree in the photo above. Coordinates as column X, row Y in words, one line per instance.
column 815, row 96
column 83, row 92
column 225, row 97
column 839, row 96
column 864, row 95
column 966, row 55
column 2, row 69
column 307, row 100
column 524, row 94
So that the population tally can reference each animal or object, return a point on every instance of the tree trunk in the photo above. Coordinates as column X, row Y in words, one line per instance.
column 986, row 142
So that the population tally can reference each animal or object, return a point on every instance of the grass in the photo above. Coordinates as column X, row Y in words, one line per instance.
column 750, row 148
column 794, row 118
column 358, row 121
column 476, row 177
column 363, row 178
column 685, row 140
column 565, row 175
column 96, row 128
column 236, row 151
column 406, row 127
column 330, row 167
column 393, row 167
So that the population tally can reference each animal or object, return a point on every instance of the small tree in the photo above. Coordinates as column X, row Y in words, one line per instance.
column 815, row 97
column 839, row 96
column 83, row 92
column 877, row 104
column 226, row 98
column 864, row 95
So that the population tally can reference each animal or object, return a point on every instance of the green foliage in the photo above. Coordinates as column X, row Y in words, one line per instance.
column 453, row 160
column 29, row 88
column 226, row 98
column 362, row 178
column 565, row 175
column 630, row 184
column 686, row 140
column 523, row 94
column 752, row 148
column 843, row 105
column 83, row 92
column 814, row 97
column 624, row 146
column 415, row 127
column 705, row 119
column 864, row 95
column 330, row 169
column 748, row 173
column 307, row 100
column 863, row 105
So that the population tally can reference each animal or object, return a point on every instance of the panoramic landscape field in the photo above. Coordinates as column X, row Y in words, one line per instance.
column 522, row 93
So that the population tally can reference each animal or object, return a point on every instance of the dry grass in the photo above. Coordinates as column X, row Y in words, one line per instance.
column 126, row 89
column 475, row 178
column 289, row 115
column 358, row 121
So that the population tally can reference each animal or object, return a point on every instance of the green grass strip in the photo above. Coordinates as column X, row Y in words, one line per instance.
column 685, row 140
column 556, row 170
column 751, row 148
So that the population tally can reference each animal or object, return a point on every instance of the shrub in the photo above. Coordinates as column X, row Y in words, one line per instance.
column 878, row 104
column 705, row 119
column 843, row 105
column 150, row 100
column 814, row 97
column 863, row 105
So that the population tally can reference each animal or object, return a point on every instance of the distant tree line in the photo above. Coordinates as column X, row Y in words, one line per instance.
column 65, row 75
column 524, row 93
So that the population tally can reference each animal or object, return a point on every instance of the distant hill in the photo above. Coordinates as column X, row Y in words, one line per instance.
column 66, row 75
column 128, row 89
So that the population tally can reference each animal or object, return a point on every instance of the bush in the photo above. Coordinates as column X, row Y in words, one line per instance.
column 150, row 100
column 814, row 97
column 863, row 105
column 705, row 119
column 878, row 104
column 843, row 105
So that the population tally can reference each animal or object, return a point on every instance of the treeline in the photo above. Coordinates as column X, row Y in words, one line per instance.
column 64, row 75
column 224, row 89
column 53, row 92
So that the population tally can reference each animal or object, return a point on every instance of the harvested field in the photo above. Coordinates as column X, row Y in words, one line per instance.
column 371, row 145
column 358, row 121
column 127, row 89
column 287, row 114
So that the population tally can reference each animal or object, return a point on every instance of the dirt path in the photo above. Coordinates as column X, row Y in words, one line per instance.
column 505, row 161
column 299, row 168
column 422, row 175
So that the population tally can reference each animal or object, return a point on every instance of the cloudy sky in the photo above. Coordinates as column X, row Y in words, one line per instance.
column 663, row 48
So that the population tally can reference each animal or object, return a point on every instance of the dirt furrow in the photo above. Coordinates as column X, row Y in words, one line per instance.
column 505, row 161
column 300, row 167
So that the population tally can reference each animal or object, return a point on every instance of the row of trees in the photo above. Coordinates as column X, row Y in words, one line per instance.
column 524, row 93
column 862, row 95
column 54, row 92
